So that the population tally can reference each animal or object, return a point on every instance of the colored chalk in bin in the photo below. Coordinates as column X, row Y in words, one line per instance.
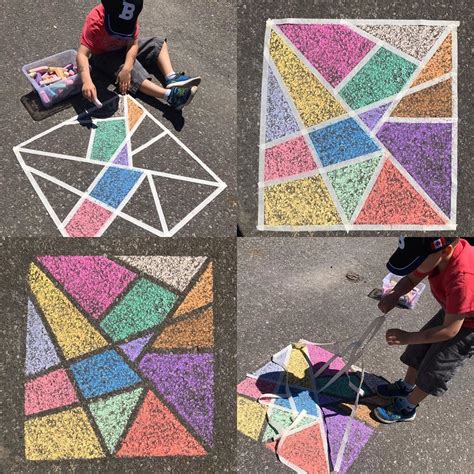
column 44, row 98
column 58, row 70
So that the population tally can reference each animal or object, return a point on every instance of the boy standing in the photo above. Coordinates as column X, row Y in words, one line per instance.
column 436, row 352
column 110, row 40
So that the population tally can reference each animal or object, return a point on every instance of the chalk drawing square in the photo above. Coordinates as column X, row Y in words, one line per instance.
column 119, row 358
column 358, row 126
column 92, row 172
column 281, row 410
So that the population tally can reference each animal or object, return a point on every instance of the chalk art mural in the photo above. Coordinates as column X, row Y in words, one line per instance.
column 303, row 417
column 358, row 125
column 119, row 357
column 93, row 173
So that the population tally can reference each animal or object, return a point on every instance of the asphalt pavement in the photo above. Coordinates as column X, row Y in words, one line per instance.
column 202, row 41
column 290, row 289
column 251, row 25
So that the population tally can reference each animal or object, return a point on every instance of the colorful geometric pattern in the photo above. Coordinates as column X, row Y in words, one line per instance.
column 110, row 368
column 133, row 169
column 358, row 125
column 314, row 441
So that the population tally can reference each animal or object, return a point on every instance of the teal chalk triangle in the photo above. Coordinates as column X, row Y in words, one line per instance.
column 112, row 414
column 350, row 183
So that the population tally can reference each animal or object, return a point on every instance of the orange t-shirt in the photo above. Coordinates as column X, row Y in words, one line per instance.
column 95, row 37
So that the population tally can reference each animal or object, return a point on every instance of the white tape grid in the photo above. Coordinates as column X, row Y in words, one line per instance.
column 355, row 349
column 218, row 184
column 451, row 28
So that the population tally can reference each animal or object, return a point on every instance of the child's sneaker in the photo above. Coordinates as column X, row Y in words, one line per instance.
column 393, row 390
column 181, row 80
column 180, row 97
column 394, row 412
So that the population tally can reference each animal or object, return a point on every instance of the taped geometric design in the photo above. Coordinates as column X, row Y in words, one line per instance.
column 366, row 96
column 313, row 442
column 122, row 152
column 95, row 390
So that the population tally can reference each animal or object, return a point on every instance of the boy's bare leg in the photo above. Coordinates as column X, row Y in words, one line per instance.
column 417, row 396
column 149, row 88
column 410, row 376
column 164, row 61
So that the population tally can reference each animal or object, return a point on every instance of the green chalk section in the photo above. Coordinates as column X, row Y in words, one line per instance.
column 146, row 305
column 384, row 75
column 109, row 135
column 350, row 183
column 112, row 414
column 283, row 419
column 341, row 388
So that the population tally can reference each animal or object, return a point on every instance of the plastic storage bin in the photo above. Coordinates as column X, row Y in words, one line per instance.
column 411, row 299
column 58, row 91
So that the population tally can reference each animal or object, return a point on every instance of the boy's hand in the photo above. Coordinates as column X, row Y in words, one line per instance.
column 388, row 302
column 397, row 337
column 89, row 91
column 124, row 79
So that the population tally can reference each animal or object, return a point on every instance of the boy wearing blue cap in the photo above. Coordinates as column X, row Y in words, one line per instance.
column 110, row 43
column 436, row 352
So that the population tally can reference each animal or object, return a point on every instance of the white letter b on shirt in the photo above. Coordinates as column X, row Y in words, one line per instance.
column 127, row 12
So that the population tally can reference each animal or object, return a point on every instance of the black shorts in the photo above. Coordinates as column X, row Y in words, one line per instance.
column 438, row 362
column 111, row 63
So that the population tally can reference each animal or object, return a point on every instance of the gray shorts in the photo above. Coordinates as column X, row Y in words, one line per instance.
column 111, row 63
column 437, row 363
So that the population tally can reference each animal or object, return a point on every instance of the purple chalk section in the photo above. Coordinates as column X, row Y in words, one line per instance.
column 279, row 118
column 372, row 116
column 134, row 348
column 40, row 351
column 281, row 357
column 424, row 150
column 334, row 50
column 269, row 371
column 358, row 437
column 186, row 382
column 122, row 157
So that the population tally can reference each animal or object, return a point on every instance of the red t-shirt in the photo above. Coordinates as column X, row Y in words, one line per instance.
column 454, row 286
column 95, row 37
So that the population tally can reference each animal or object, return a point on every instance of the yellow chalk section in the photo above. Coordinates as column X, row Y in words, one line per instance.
column 75, row 335
column 302, row 202
column 298, row 369
column 314, row 102
column 200, row 295
column 65, row 435
column 250, row 417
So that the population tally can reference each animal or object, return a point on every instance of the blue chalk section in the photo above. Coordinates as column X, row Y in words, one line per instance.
column 103, row 373
column 115, row 185
column 304, row 400
column 342, row 141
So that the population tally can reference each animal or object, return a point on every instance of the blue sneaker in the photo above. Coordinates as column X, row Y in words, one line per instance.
column 393, row 390
column 180, row 97
column 181, row 80
column 394, row 412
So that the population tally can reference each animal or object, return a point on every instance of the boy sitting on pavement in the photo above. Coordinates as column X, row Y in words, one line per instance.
column 436, row 352
column 110, row 40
